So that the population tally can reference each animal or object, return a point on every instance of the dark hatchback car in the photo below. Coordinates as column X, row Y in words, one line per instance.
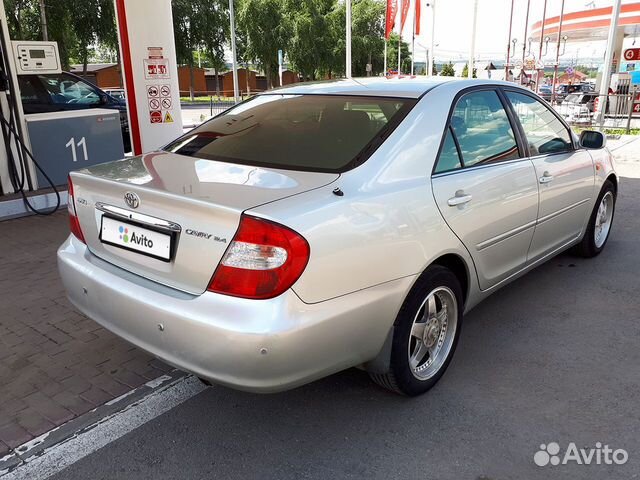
column 65, row 91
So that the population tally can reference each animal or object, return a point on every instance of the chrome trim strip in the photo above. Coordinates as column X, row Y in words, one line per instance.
column 478, row 167
column 561, row 211
column 503, row 236
column 139, row 217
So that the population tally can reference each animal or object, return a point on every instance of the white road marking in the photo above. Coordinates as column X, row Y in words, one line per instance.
column 106, row 431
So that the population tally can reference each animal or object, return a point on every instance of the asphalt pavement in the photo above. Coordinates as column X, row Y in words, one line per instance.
column 553, row 357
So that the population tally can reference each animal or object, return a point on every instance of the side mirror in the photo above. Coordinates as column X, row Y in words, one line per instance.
column 592, row 139
column 103, row 99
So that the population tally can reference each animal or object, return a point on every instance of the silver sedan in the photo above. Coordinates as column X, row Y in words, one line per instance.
column 330, row 225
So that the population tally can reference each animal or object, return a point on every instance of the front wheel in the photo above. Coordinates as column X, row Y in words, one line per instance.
column 599, row 227
column 426, row 332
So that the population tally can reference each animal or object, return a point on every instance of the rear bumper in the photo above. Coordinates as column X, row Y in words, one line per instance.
column 255, row 345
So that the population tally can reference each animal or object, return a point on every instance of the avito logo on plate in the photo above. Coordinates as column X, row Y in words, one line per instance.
column 139, row 239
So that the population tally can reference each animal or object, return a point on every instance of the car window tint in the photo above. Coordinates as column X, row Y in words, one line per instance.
column 65, row 89
column 449, row 158
column 545, row 133
column 324, row 133
column 482, row 128
column 28, row 90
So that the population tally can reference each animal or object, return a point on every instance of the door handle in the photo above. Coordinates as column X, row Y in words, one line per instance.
column 460, row 199
column 546, row 178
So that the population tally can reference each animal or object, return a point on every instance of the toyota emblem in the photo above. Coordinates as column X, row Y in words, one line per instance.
column 132, row 199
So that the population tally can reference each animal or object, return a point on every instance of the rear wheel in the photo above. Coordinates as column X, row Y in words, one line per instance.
column 426, row 332
column 599, row 227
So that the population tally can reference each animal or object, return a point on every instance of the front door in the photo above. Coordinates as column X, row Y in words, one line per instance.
column 485, row 188
column 565, row 176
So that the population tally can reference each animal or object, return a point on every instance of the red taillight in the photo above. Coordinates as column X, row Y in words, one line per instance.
column 263, row 260
column 74, row 224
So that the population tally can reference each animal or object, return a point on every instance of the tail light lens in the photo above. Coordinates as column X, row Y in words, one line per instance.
column 264, row 260
column 74, row 224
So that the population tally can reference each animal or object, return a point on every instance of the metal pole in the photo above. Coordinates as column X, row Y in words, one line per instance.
column 399, row 49
column 384, row 69
column 555, row 67
column 413, row 42
column 348, row 28
column 544, row 17
column 43, row 21
column 433, row 31
column 608, row 64
column 426, row 55
column 472, row 50
column 386, row 40
column 506, row 64
column 633, row 96
column 524, row 39
column 234, row 62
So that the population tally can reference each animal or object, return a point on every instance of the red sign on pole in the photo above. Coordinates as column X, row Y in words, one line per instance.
column 632, row 54
column 392, row 10
column 403, row 13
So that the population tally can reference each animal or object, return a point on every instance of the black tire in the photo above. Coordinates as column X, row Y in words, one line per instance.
column 400, row 378
column 587, row 247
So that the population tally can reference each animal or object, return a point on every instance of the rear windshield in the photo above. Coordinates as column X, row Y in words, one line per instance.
column 297, row 132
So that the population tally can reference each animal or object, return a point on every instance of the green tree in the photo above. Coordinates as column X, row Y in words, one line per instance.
column 310, row 47
column 465, row 71
column 392, row 54
column 367, row 31
column 266, row 26
column 448, row 70
column 185, row 27
column 23, row 19
column 213, row 28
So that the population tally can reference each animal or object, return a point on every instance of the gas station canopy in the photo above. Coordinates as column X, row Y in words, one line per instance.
column 592, row 24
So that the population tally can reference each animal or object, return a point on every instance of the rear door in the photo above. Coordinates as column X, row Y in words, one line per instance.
column 485, row 187
column 565, row 175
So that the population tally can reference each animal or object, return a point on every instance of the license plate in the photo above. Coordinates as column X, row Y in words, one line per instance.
column 136, row 238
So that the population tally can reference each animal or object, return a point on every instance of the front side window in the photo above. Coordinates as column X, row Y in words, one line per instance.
column 481, row 127
column 65, row 89
column 320, row 133
column 544, row 131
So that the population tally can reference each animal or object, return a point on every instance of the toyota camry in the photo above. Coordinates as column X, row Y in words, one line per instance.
column 329, row 225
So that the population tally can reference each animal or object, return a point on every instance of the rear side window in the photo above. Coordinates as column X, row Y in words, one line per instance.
column 481, row 127
column 320, row 133
column 544, row 131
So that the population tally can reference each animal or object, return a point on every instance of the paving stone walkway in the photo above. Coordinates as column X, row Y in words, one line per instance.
column 55, row 364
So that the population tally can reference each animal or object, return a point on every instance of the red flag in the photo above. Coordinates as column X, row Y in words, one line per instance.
column 417, row 17
column 404, row 13
column 392, row 10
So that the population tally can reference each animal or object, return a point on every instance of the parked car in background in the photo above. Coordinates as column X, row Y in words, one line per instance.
column 579, row 107
column 565, row 89
column 545, row 92
column 117, row 93
column 328, row 225
column 66, row 91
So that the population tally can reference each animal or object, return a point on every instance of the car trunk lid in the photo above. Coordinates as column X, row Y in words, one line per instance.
column 188, row 209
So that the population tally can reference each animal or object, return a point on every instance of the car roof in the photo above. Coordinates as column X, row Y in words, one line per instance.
column 400, row 87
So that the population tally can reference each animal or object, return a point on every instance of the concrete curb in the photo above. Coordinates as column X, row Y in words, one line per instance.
column 16, row 208
column 37, row 447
